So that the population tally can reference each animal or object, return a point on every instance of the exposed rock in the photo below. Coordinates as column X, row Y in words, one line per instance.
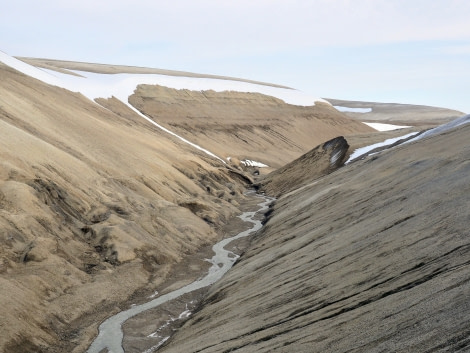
column 311, row 166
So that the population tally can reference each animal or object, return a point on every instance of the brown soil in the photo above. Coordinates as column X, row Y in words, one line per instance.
column 93, row 206
column 245, row 125
column 98, row 208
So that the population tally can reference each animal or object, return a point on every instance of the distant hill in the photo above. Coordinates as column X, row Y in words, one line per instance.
column 395, row 113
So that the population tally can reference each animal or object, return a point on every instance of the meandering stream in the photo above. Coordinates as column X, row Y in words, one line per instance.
column 110, row 331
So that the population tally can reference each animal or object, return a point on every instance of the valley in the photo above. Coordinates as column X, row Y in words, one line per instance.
column 109, row 196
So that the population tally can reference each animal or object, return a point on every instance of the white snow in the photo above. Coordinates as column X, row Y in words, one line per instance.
column 385, row 127
column 121, row 86
column 154, row 348
column 250, row 163
column 29, row 70
column 94, row 85
column 352, row 110
column 363, row 150
column 153, row 295
column 443, row 128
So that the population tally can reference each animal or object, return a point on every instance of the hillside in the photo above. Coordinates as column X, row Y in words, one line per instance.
column 371, row 258
column 100, row 204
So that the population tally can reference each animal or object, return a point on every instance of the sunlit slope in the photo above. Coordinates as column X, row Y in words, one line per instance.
column 374, row 257
column 93, row 205
column 96, row 202
column 230, row 117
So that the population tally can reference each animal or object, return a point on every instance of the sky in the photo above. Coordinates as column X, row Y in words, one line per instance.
column 402, row 51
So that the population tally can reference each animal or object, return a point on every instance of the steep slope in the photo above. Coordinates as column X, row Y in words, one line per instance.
column 93, row 206
column 240, row 119
column 98, row 205
column 245, row 125
column 374, row 257
column 309, row 167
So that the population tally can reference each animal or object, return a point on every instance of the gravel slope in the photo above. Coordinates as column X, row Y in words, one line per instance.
column 374, row 257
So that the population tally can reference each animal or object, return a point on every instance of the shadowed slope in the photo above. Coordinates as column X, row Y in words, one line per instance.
column 374, row 257
column 311, row 166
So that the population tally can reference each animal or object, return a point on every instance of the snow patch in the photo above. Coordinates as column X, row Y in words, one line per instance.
column 153, row 295
column 29, row 70
column 443, row 128
column 385, row 127
column 250, row 163
column 94, row 86
column 154, row 348
column 121, row 86
column 363, row 150
column 352, row 110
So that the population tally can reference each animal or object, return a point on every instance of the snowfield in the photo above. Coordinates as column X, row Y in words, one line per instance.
column 94, row 85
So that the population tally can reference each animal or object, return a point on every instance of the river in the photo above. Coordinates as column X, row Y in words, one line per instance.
column 110, row 331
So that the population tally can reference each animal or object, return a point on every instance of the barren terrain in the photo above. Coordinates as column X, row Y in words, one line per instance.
column 98, row 207
column 371, row 258
column 395, row 113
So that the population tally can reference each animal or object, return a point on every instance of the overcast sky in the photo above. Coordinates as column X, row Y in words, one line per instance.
column 405, row 51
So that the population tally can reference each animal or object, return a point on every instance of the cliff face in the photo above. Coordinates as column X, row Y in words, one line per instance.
column 97, row 204
column 374, row 257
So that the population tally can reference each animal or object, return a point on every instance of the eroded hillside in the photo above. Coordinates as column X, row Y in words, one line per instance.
column 97, row 205
column 374, row 257
column 93, row 206
column 245, row 125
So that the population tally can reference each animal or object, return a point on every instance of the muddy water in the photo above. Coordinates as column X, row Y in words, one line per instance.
column 110, row 331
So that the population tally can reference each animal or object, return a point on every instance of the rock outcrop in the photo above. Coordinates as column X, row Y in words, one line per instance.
column 311, row 166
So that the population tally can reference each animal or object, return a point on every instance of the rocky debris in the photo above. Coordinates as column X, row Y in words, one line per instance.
column 374, row 257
